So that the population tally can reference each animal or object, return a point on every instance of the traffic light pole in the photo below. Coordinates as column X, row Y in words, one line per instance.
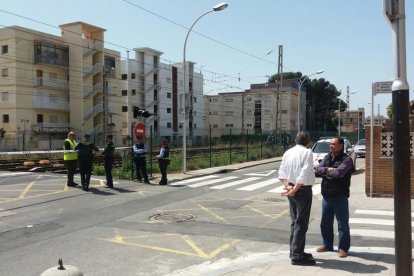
column 395, row 12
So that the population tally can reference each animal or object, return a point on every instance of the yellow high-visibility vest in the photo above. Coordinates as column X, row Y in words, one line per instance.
column 70, row 155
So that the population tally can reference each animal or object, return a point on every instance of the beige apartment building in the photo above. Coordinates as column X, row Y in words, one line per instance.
column 51, row 85
column 264, row 107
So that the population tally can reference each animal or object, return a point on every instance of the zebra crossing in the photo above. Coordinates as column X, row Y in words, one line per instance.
column 247, row 183
column 373, row 224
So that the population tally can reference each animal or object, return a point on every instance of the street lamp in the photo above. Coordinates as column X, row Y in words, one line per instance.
column 218, row 7
column 301, row 81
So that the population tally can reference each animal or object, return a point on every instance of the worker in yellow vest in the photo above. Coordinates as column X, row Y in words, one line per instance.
column 71, row 158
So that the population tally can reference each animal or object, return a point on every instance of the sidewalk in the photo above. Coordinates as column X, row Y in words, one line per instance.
column 360, row 261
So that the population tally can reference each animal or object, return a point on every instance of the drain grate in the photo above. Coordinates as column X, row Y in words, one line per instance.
column 172, row 217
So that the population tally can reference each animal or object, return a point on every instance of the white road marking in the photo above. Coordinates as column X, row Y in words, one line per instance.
column 387, row 222
column 265, row 173
column 373, row 233
column 259, row 185
column 377, row 212
column 234, row 183
column 183, row 182
column 212, row 181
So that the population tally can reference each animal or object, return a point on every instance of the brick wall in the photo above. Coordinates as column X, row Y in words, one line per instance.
column 383, row 163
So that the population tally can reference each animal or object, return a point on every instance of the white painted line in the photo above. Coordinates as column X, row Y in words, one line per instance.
column 373, row 233
column 234, row 183
column 212, row 181
column 259, row 185
column 277, row 190
column 265, row 173
column 183, row 182
column 377, row 212
column 6, row 174
column 387, row 222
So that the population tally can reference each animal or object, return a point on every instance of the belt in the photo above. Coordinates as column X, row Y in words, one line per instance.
column 303, row 187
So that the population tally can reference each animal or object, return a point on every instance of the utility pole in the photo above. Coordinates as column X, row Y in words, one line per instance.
column 279, row 86
column 105, row 100
column 394, row 11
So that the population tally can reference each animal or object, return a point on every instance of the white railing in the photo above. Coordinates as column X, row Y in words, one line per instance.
column 96, row 109
column 45, row 103
column 92, row 90
column 54, row 83
column 95, row 68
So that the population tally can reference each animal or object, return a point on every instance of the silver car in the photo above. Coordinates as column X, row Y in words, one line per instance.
column 321, row 148
column 360, row 148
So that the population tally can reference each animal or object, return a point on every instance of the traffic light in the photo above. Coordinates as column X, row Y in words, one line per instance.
column 141, row 113
column 136, row 112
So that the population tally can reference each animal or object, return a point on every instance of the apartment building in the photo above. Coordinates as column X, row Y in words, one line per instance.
column 264, row 107
column 158, row 88
column 51, row 85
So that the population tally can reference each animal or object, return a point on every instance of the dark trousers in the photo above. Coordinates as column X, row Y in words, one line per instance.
column 71, row 166
column 163, row 165
column 108, row 173
column 141, row 168
column 300, row 207
column 85, row 170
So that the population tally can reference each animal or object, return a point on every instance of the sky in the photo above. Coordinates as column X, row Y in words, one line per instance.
column 350, row 40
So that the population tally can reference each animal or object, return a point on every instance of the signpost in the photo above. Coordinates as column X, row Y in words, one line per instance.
column 139, row 130
column 382, row 87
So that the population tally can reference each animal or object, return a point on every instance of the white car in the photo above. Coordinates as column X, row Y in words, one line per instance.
column 321, row 148
column 360, row 148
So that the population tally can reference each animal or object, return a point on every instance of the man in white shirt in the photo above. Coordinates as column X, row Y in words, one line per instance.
column 297, row 174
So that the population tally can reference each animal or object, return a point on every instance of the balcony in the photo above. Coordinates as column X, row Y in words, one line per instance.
column 93, row 70
column 51, row 60
column 90, row 91
column 51, row 128
column 95, row 110
column 41, row 102
column 52, row 83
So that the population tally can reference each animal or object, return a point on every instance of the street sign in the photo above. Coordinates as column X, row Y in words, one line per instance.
column 382, row 87
column 139, row 130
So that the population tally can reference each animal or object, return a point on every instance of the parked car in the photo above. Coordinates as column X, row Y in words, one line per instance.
column 360, row 148
column 321, row 148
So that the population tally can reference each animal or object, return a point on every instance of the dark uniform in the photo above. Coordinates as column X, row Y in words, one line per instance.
column 140, row 161
column 164, row 161
column 108, row 154
column 70, row 159
column 86, row 151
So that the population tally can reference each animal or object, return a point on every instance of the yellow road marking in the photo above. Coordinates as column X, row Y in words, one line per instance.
column 211, row 212
column 197, row 249
column 283, row 213
column 260, row 212
column 28, row 187
column 220, row 249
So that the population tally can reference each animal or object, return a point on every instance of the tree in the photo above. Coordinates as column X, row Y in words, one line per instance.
column 321, row 101
column 389, row 110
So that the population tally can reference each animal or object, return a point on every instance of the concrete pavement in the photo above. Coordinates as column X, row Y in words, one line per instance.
column 360, row 261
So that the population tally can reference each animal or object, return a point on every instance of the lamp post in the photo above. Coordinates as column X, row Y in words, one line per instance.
column 24, row 121
column 300, row 94
column 218, row 7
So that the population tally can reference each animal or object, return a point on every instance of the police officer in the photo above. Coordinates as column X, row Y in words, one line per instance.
column 164, row 161
column 70, row 158
column 108, row 155
column 140, row 150
column 86, row 150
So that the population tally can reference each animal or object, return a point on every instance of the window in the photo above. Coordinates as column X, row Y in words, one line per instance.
column 5, row 118
column 168, row 95
column 228, row 100
column 229, row 125
column 214, row 113
column 133, row 92
column 53, row 98
column 168, row 80
column 168, row 110
column 195, row 125
column 53, row 77
column 53, row 119
column 5, row 72
column 124, row 92
column 248, row 113
column 228, row 113
column 168, row 125
column 215, row 126
column 39, row 118
column 5, row 96
column 133, row 76
column 124, row 76
column 124, row 108
column 195, row 99
column 4, row 49
column 215, row 100
column 267, row 112
column 195, row 113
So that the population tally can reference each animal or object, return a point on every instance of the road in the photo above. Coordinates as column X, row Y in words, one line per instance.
column 139, row 229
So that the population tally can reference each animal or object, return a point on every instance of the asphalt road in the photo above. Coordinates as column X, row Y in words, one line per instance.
column 139, row 229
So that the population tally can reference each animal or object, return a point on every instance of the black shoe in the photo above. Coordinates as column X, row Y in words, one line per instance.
column 303, row 261
column 305, row 255
column 162, row 183
column 72, row 185
column 109, row 186
column 147, row 182
column 139, row 180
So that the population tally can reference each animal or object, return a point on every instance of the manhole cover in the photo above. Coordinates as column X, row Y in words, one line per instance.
column 172, row 217
column 273, row 199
